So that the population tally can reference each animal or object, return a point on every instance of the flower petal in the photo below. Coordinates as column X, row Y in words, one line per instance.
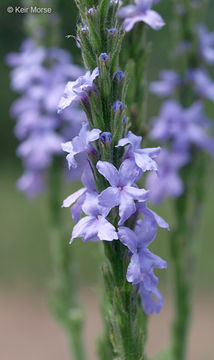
column 153, row 19
column 109, row 197
column 149, row 304
column 73, row 197
column 128, row 172
column 71, row 160
column 93, row 135
column 68, row 146
column 144, row 162
column 106, row 231
column 160, row 221
column 87, row 179
column 109, row 171
column 137, row 194
column 76, row 209
column 128, row 238
column 126, row 208
column 133, row 272
column 84, row 228
column 146, row 230
column 68, row 97
column 152, row 260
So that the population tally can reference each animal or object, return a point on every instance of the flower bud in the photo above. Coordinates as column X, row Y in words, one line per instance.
column 119, row 76
column 91, row 11
column 111, row 32
column 104, row 57
column 118, row 105
column 105, row 137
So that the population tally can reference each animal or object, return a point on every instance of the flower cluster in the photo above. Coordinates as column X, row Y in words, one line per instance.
column 111, row 205
column 120, row 192
column 182, row 127
column 39, row 74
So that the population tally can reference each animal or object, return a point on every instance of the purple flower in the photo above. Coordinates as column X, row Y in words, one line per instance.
column 80, row 196
column 206, row 40
column 167, row 182
column 91, row 11
column 37, row 150
column 105, row 138
column 166, row 86
column 152, row 301
column 142, row 261
column 141, row 267
column 40, row 74
column 27, row 65
column 204, row 86
column 140, row 12
column 119, row 76
column 94, row 226
column 104, row 57
column 81, row 143
column 118, row 105
column 112, row 32
column 184, row 127
column 77, row 90
column 31, row 182
column 143, row 157
column 122, row 191
column 151, row 219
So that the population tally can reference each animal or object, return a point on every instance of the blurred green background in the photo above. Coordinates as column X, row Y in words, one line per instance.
column 24, row 246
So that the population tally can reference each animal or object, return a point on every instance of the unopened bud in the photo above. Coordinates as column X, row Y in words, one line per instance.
column 118, row 105
column 105, row 137
column 104, row 57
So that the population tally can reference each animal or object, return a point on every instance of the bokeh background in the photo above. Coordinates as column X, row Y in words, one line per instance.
column 27, row 330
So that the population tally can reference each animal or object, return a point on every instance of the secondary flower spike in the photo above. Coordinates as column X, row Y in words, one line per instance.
column 40, row 74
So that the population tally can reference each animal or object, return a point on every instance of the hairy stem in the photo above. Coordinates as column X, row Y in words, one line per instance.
column 127, row 333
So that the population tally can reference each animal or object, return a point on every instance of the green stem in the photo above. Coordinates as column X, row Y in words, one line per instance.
column 127, row 333
column 179, row 244
column 182, row 251
column 63, row 302
column 182, row 299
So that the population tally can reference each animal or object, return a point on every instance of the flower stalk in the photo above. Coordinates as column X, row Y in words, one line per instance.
column 113, row 203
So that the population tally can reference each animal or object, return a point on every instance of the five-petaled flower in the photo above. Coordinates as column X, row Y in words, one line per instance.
column 81, row 143
column 77, row 90
column 123, row 191
column 94, row 226
column 143, row 158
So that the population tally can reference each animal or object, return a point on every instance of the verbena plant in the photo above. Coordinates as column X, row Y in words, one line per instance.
column 102, row 116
